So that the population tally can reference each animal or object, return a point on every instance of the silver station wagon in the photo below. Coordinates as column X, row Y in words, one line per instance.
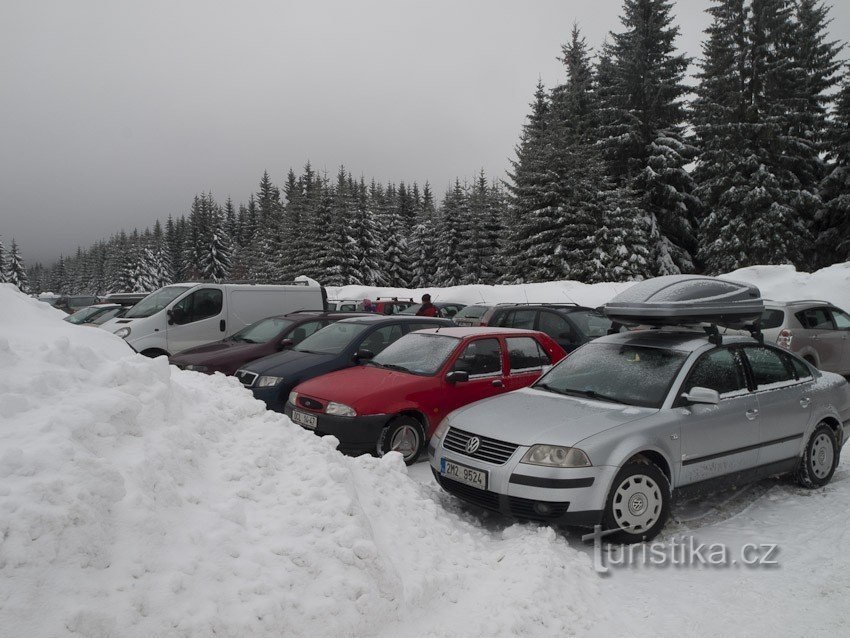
column 629, row 421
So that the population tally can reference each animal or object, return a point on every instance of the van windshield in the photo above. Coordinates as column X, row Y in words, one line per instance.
column 156, row 301
column 332, row 339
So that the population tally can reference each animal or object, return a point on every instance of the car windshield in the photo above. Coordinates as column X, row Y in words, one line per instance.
column 417, row 353
column 82, row 315
column 332, row 339
column 107, row 315
column 262, row 331
column 156, row 301
column 621, row 373
column 472, row 312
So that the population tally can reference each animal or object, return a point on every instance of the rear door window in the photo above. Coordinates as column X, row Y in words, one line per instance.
column 841, row 318
column 524, row 353
column 523, row 319
column 815, row 319
column 480, row 357
column 768, row 367
column 556, row 327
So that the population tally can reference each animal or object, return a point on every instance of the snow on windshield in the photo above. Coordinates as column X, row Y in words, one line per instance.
column 418, row 353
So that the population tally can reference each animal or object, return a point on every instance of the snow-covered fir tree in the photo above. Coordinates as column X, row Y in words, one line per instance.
column 16, row 272
column 833, row 241
column 215, row 263
column 2, row 262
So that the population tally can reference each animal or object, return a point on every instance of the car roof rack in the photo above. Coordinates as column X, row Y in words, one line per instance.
column 537, row 303
column 246, row 282
column 393, row 298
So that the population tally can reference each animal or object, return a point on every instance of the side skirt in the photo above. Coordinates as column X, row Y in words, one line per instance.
column 716, row 484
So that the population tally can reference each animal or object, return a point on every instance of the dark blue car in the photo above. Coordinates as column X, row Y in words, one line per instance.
column 344, row 344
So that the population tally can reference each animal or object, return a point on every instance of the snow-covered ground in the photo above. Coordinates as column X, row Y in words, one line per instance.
column 140, row 500
column 781, row 283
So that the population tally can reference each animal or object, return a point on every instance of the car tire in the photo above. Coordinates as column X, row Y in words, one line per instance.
column 638, row 504
column 403, row 434
column 820, row 458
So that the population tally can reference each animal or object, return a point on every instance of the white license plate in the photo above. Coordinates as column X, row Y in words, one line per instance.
column 307, row 420
column 463, row 474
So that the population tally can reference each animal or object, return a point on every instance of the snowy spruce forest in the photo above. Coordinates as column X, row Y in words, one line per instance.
column 641, row 162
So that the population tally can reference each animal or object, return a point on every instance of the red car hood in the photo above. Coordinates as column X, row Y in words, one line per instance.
column 361, row 382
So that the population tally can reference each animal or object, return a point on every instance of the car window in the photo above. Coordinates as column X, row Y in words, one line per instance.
column 381, row 338
column 304, row 330
column 525, row 353
column 262, row 331
column 767, row 366
column 156, row 301
column 841, row 318
column 413, row 327
column 109, row 314
column 421, row 353
column 593, row 324
column 523, row 319
column 482, row 356
column 556, row 326
column 719, row 370
column 815, row 319
column 800, row 369
column 201, row 304
column 772, row 318
column 332, row 339
column 472, row 312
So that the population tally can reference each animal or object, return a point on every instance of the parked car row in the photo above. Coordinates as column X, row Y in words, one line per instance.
column 550, row 412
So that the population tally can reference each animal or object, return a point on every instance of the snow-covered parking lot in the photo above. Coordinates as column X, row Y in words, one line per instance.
column 140, row 500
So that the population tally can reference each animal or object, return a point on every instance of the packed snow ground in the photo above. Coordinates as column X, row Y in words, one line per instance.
column 140, row 500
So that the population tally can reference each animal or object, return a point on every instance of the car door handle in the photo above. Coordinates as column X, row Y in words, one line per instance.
column 498, row 384
column 805, row 402
column 752, row 414
column 222, row 326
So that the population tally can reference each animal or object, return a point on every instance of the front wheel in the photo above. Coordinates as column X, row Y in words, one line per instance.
column 405, row 435
column 638, row 504
column 820, row 458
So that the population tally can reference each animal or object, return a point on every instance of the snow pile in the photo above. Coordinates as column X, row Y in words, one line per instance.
column 781, row 283
column 140, row 500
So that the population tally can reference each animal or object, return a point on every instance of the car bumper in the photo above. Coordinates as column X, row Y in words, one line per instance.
column 562, row 496
column 272, row 396
column 355, row 433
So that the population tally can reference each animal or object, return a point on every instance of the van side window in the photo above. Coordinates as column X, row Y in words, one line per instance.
column 201, row 304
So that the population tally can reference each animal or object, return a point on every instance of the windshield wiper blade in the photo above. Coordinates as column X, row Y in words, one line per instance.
column 392, row 366
column 547, row 387
column 593, row 394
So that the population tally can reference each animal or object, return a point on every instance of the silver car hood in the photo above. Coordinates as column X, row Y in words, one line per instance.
column 530, row 416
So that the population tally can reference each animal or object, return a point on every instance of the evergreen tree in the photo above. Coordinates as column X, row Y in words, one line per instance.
column 449, row 228
column 362, row 242
column 16, row 273
column 834, row 221
column 215, row 263
column 2, row 262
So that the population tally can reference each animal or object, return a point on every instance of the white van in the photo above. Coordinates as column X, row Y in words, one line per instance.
column 186, row 315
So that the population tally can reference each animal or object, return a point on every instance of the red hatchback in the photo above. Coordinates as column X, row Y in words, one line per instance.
column 397, row 400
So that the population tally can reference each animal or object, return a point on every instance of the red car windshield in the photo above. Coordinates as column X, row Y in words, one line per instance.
column 417, row 353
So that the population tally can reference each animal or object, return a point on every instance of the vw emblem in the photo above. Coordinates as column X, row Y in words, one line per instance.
column 472, row 445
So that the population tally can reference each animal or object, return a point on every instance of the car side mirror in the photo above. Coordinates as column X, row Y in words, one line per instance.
column 701, row 395
column 364, row 355
column 457, row 376
column 285, row 343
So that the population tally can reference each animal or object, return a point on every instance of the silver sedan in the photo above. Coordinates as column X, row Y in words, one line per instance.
column 626, row 423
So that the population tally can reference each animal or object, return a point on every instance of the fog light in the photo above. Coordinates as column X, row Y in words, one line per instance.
column 543, row 509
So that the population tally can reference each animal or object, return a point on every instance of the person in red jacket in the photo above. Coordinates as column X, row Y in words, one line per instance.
column 427, row 309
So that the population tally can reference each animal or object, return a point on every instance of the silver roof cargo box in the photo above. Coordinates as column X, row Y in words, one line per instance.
column 687, row 299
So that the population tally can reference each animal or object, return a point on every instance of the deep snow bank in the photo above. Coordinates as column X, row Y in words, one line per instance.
column 782, row 283
column 140, row 500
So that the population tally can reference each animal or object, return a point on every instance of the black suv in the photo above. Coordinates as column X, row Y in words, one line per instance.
column 570, row 325
column 343, row 344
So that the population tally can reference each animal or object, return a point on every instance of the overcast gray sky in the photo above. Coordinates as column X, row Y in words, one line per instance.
column 116, row 113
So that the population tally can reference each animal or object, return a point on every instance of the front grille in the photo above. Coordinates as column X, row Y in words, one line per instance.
column 481, row 498
column 246, row 378
column 524, row 508
column 310, row 404
column 491, row 450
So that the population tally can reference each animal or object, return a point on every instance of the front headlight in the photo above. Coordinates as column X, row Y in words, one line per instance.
column 556, row 456
column 293, row 397
column 340, row 409
column 122, row 332
column 441, row 430
column 196, row 368
column 268, row 381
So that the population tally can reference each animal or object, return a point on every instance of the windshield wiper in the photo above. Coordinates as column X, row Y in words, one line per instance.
column 593, row 394
column 547, row 387
column 391, row 366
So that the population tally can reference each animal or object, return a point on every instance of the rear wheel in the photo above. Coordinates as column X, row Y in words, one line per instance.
column 820, row 458
column 638, row 504
column 404, row 435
